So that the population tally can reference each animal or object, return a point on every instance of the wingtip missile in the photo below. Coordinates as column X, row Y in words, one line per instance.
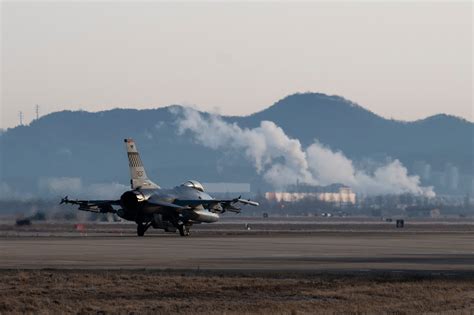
column 249, row 202
column 64, row 200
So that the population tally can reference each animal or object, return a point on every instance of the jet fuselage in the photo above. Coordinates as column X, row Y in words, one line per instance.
column 142, row 205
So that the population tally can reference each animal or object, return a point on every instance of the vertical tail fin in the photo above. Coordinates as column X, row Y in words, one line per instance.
column 137, row 170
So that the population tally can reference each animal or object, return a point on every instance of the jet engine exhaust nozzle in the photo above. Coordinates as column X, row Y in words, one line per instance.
column 130, row 200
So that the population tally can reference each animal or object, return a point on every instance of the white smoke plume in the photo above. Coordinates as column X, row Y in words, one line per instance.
column 74, row 187
column 9, row 193
column 55, row 187
column 282, row 160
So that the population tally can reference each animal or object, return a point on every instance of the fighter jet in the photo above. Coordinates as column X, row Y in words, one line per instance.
column 149, row 205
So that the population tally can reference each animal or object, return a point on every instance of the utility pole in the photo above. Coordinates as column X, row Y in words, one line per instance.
column 20, row 114
column 37, row 108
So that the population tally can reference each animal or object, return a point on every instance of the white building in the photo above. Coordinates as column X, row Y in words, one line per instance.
column 344, row 195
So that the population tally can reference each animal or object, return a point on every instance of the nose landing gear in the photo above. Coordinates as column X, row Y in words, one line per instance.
column 183, row 230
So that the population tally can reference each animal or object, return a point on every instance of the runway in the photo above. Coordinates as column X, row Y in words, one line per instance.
column 276, row 268
column 448, row 252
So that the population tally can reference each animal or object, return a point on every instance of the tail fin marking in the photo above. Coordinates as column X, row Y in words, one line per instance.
column 139, row 179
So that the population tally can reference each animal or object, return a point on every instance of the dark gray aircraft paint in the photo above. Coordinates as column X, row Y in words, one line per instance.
column 149, row 205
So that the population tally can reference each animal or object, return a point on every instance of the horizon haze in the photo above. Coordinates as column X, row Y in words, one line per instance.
column 341, row 143
column 405, row 61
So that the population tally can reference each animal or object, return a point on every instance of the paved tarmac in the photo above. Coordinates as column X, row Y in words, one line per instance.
column 345, row 251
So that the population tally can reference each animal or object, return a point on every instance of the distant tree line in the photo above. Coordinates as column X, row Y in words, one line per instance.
column 377, row 206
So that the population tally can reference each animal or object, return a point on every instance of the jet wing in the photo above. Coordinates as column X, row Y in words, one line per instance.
column 217, row 205
column 167, row 204
column 98, row 206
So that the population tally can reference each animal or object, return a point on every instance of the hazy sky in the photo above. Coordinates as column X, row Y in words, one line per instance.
column 403, row 60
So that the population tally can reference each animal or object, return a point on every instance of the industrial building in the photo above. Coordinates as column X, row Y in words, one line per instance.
column 336, row 193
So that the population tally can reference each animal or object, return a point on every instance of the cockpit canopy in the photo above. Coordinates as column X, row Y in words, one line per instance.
column 194, row 184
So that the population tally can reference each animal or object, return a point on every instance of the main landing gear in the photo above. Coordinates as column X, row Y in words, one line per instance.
column 142, row 227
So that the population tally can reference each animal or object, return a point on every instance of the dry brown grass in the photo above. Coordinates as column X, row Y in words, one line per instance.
column 161, row 292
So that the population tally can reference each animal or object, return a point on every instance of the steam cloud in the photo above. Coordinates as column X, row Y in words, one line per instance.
column 61, row 186
column 9, row 193
column 282, row 160
column 55, row 187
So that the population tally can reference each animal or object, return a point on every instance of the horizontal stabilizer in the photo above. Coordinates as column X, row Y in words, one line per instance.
column 99, row 206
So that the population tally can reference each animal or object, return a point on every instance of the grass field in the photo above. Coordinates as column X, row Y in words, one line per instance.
column 205, row 292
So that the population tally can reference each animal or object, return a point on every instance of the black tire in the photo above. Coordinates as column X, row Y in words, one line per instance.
column 183, row 230
column 140, row 229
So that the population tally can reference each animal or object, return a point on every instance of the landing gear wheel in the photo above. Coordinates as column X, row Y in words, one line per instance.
column 183, row 230
column 141, row 228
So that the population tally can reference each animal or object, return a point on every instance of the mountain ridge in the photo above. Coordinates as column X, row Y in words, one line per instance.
column 349, row 102
column 86, row 144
